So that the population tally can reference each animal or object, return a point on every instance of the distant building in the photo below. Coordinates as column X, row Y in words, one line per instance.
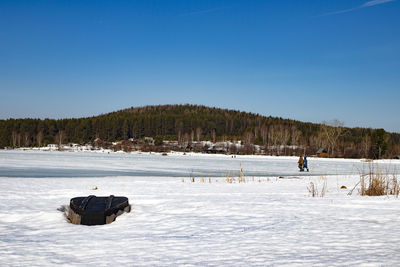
column 321, row 152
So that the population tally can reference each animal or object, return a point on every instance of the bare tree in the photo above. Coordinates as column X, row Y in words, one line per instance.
column 315, row 142
column 256, row 131
column 180, row 137
column 321, row 140
column 283, row 136
column 264, row 133
column 295, row 136
column 274, row 136
column 39, row 138
column 14, row 137
column 19, row 139
column 179, row 131
column 192, row 136
column 248, row 137
column 331, row 132
column 60, row 136
column 213, row 135
column 198, row 133
column 366, row 146
column 26, row 139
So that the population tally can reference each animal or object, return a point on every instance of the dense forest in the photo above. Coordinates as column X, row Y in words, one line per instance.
column 190, row 123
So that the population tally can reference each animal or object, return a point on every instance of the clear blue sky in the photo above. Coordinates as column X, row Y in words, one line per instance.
column 304, row 60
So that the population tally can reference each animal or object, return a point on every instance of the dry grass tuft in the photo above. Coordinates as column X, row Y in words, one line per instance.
column 378, row 182
column 313, row 188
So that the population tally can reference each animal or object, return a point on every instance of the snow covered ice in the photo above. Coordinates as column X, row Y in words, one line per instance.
column 268, row 221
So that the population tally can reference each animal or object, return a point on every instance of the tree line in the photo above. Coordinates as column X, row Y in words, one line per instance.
column 190, row 123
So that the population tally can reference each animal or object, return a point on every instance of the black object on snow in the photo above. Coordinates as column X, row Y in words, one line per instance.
column 94, row 210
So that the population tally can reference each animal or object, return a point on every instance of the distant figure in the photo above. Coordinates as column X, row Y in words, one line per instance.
column 301, row 162
column 305, row 166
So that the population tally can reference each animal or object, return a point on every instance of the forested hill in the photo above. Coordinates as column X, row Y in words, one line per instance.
column 188, row 123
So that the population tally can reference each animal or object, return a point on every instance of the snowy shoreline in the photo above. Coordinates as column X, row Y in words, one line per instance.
column 200, row 154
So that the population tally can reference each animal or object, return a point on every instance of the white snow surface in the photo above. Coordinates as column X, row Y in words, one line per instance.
column 265, row 221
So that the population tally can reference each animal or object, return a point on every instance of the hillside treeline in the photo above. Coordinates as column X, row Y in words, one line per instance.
column 189, row 123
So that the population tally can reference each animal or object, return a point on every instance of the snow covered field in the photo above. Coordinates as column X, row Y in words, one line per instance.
column 265, row 221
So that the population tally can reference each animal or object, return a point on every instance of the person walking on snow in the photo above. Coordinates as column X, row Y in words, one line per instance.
column 305, row 166
column 301, row 162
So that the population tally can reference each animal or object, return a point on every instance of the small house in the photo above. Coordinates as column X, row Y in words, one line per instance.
column 321, row 153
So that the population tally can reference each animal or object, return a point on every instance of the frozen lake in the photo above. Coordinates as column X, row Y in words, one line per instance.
column 40, row 164
column 265, row 221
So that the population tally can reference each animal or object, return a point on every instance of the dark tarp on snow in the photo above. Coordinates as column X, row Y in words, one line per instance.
column 94, row 210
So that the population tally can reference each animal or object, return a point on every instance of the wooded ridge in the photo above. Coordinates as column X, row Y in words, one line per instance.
column 190, row 123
